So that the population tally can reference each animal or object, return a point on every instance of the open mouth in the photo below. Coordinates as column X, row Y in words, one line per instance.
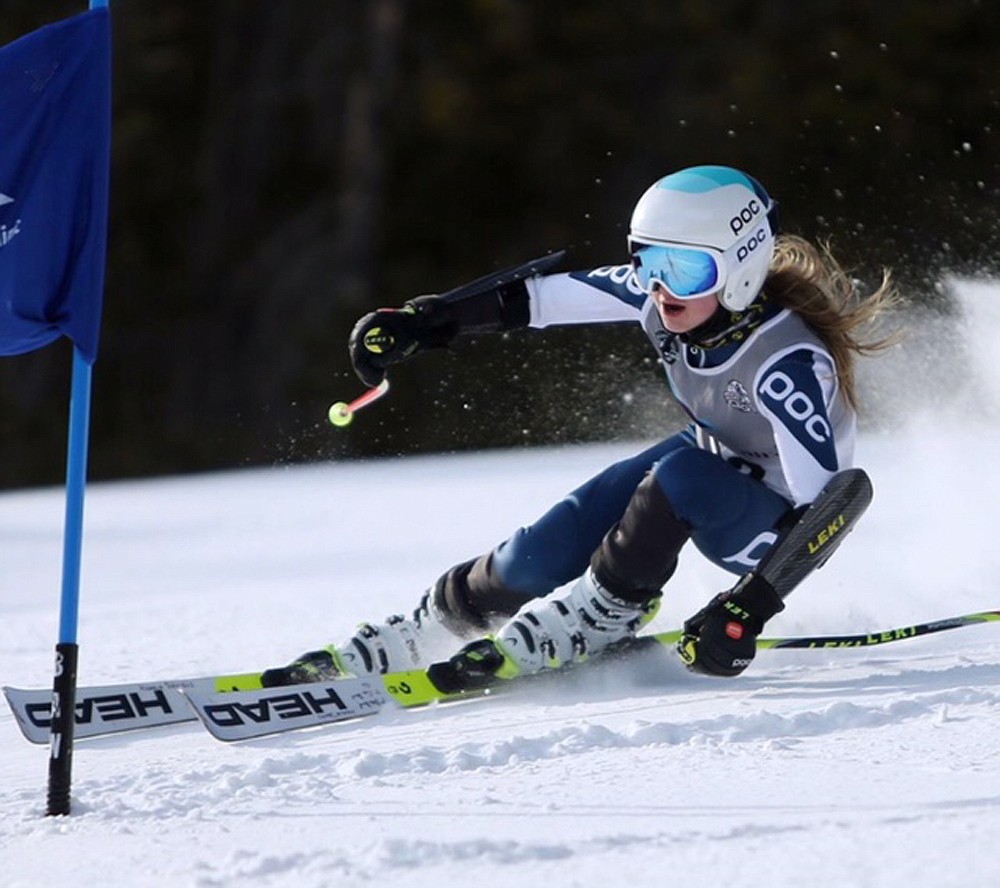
column 671, row 308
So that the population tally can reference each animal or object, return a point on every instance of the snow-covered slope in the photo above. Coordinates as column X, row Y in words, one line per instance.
column 867, row 768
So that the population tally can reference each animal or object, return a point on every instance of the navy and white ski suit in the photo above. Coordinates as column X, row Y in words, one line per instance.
column 769, row 427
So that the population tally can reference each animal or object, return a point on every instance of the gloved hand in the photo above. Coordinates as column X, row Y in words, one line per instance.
column 721, row 639
column 391, row 335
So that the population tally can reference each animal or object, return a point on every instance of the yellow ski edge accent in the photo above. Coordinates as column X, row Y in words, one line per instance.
column 243, row 681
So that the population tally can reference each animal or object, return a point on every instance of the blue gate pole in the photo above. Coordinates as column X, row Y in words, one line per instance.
column 67, row 649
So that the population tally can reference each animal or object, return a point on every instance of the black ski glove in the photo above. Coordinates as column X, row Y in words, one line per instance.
column 391, row 335
column 721, row 639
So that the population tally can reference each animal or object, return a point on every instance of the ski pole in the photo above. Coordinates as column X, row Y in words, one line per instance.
column 886, row 636
column 864, row 640
column 342, row 413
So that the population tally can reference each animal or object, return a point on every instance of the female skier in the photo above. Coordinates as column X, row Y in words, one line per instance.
column 757, row 335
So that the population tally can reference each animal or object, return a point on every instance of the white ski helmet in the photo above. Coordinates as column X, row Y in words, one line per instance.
column 702, row 230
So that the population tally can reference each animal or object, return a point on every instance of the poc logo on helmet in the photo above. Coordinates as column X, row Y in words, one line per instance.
column 756, row 239
column 797, row 404
column 745, row 216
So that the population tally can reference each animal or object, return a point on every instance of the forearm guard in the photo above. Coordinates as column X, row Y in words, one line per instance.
column 442, row 320
column 491, row 304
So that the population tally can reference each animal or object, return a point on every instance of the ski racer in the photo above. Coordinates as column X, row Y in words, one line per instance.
column 756, row 333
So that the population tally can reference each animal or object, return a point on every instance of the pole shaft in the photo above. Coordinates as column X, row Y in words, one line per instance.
column 67, row 651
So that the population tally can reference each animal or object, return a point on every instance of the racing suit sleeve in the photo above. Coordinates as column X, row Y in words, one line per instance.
column 601, row 295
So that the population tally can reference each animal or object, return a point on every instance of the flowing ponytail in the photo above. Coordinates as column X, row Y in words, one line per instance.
column 809, row 281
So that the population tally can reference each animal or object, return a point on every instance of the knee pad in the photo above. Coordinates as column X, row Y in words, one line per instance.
column 472, row 595
column 639, row 554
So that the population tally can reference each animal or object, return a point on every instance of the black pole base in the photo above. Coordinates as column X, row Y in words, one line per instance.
column 63, row 723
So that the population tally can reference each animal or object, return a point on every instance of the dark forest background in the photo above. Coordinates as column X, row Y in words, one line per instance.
column 279, row 168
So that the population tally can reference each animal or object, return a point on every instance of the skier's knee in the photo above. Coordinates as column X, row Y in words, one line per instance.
column 683, row 477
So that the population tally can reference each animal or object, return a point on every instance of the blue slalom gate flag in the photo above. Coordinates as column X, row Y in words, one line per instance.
column 55, row 147
column 55, row 135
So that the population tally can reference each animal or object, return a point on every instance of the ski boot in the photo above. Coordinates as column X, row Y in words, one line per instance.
column 396, row 645
column 570, row 626
column 563, row 628
column 400, row 643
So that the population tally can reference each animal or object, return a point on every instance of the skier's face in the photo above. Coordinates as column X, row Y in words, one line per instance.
column 683, row 315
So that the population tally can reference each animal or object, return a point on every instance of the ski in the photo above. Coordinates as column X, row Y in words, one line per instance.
column 105, row 709
column 102, row 710
column 251, row 713
column 244, row 714
column 110, row 709
column 114, row 709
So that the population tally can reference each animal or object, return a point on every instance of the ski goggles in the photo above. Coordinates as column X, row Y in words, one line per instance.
column 683, row 271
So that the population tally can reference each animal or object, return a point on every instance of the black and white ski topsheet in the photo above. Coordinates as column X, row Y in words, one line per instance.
column 228, row 715
column 241, row 715
column 106, row 709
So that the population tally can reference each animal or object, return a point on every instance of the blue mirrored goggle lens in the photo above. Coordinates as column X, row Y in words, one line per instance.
column 684, row 271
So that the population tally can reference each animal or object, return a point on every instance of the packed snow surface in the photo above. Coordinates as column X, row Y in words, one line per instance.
column 876, row 767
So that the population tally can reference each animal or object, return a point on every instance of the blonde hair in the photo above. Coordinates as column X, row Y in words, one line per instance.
column 809, row 281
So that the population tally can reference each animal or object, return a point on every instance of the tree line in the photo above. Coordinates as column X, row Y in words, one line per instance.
column 279, row 169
